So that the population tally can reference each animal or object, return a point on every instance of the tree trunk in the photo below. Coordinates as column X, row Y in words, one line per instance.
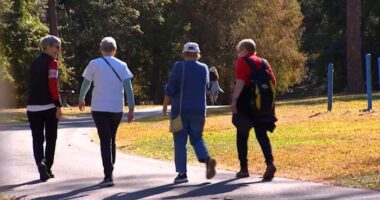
column 52, row 17
column 355, row 83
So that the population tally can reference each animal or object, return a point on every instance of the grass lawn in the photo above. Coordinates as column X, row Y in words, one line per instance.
column 15, row 116
column 5, row 198
column 340, row 148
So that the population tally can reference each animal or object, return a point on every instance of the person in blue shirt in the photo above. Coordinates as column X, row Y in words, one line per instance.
column 195, row 77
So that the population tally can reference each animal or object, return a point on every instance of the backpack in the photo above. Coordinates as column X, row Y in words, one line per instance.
column 262, row 94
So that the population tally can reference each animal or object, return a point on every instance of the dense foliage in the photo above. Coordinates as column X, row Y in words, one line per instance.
column 299, row 38
column 324, row 38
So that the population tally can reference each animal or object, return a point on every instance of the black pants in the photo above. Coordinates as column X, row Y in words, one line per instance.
column 44, row 125
column 107, row 124
column 244, row 125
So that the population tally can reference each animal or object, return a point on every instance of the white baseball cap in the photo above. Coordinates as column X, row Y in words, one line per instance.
column 191, row 47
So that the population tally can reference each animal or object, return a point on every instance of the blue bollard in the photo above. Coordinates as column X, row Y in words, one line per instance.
column 378, row 72
column 330, row 87
column 369, row 81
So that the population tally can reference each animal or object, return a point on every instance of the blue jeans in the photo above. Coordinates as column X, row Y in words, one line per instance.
column 192, row 127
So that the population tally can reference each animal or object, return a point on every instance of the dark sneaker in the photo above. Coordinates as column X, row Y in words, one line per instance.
column 181, row 178
column 42, row 169
column 210, row 168
column 242, row 174
column 51, row 175
column 269, row 173
column 107, row 182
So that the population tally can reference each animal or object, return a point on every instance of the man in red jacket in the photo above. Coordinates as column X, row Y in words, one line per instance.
column 44, row 105
column 240, row 108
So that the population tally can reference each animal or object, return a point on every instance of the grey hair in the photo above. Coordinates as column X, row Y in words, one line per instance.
column 108, row 44
column 247, row 44
column 49, row 40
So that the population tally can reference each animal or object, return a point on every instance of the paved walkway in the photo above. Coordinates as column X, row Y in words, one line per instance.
column 78, row 169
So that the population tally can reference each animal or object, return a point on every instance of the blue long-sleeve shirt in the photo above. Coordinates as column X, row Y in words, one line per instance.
column 196, row 80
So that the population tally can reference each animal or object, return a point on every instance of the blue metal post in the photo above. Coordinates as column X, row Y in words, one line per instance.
column 330, row 86
column 369, row 81
column 378, row 72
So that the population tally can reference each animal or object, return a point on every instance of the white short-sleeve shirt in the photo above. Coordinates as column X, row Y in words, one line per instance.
column 108, row 92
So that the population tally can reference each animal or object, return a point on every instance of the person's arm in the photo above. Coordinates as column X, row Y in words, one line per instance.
column 171, row 88
column 174, row 80
column 165, row 105
column 88, row 77
column 239, row 85
column 240, row 72
column 86, row 84
column 130, row 98
column 54, row 86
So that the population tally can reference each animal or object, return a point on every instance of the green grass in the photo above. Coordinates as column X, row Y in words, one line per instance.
column 340, row 147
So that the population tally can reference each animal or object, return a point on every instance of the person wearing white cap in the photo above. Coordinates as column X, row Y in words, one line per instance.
column 186, row 90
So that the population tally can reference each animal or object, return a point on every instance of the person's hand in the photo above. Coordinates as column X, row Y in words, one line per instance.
column 58, row 113
column 165, row 110
column 233, row 107
column 131, row 115
column 82, row 105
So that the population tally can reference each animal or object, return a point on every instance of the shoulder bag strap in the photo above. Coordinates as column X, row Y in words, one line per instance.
column 118, row 77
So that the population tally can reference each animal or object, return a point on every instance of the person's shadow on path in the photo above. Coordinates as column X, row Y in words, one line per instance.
column 72, row 194
column 203, row 189
column 5, row 188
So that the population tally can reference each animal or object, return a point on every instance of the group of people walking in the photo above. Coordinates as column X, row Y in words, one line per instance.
column 186, row 91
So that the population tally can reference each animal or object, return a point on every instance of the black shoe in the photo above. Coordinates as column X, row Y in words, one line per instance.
column 242, row 174
column 107, row 182
column 210, row 168
column 269, row 173
column 42, row 169
column 51, row 175
column 181, row 178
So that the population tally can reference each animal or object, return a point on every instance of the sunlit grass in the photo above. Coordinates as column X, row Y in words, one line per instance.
column 340, row 147
column 5, row 198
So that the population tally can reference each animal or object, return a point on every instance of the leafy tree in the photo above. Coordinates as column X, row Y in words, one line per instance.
column 6, row 80
column 20, row 41
column 146, row 32
column 275, row 25
column 324, row 39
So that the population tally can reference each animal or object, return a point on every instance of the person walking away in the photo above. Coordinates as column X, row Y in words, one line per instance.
column 186, row 90
column 44, row 104
column 111, row 77
column 214, row 87
column 249, row 70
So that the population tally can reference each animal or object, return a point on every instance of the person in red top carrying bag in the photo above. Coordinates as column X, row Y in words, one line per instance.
column 44, row 104
column 241, row 106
